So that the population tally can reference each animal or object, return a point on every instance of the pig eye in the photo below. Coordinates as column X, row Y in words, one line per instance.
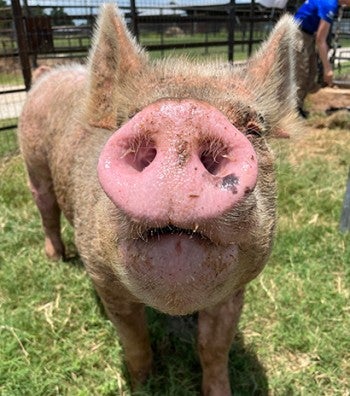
column 253, row 130
column 261, row 118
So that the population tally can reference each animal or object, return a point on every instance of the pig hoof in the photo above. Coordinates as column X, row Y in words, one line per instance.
column 136, row 384
column 54, row 253
column 217, row 392
column 139, row 378
column 216, row 387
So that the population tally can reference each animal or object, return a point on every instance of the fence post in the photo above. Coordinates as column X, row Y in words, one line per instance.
column 134, row 22
column 22, row 43
column 251, row 28
column 231, row 30
column 345, row 215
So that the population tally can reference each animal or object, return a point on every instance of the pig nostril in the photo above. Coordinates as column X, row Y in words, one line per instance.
column 140, row 154
column 213, row 156
column 143, row 157
column 210, row 163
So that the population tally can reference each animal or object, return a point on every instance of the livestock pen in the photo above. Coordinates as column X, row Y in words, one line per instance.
column 293, row 337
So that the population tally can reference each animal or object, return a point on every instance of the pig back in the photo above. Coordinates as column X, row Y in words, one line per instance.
column 50, row 132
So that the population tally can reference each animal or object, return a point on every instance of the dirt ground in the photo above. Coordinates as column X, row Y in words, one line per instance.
column 328, row 97
column 321, row 134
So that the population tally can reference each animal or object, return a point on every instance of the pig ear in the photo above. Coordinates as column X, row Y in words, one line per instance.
column 114, row 56
column 271, row 75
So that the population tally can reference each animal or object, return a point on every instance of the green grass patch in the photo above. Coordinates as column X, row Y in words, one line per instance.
column 11, row 78
column 8, row 139
column 73, row 42
column 294, row 333
column 215, row 52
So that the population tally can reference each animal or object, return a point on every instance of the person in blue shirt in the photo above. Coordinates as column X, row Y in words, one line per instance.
column 315, row 19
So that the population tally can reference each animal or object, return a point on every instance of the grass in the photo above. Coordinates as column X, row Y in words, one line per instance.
column 219, row 52
column 294, row 333
column 64, row 44
column 8, row 138
column 11, row 78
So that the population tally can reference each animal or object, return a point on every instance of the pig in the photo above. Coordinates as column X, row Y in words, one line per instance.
column 164, row 169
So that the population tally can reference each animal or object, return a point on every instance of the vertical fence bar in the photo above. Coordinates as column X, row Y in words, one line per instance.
column 134, row 21
column 22, row 43
column 231, row 30
column 251, row 27
column 344, row 225
column 161, row 32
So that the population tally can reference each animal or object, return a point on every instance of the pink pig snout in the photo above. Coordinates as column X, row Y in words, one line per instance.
column 177, row 162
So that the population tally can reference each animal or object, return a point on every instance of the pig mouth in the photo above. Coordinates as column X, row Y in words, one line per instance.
column 178, row 270
column 173, row 230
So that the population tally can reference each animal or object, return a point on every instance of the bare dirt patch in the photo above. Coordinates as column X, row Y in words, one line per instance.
column 328, row 97
column 324, row 135
column 329, row 108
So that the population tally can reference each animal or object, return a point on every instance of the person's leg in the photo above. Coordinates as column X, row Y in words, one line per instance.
column 305, row 67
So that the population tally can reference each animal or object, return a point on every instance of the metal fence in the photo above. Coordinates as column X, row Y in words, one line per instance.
column 50, row 32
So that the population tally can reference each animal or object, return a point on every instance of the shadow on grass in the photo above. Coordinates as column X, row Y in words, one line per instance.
column 247, row 374
column 176, row 368
column 176, row 360
column 74, row 260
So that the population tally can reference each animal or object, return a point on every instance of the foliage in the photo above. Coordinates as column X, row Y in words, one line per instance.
column 60, row 17
column 294, row 332
column 35, row 11
column 5, row 15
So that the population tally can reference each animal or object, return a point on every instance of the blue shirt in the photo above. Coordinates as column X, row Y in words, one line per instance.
column 312, row 11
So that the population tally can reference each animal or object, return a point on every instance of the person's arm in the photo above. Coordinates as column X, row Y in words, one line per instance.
column 322, row 46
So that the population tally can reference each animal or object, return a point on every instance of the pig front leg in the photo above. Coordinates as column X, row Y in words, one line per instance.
column 130, row 321
column 129, row 318
column 216, row 330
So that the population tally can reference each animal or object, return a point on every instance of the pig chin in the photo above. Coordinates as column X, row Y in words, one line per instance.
column 177, row 273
